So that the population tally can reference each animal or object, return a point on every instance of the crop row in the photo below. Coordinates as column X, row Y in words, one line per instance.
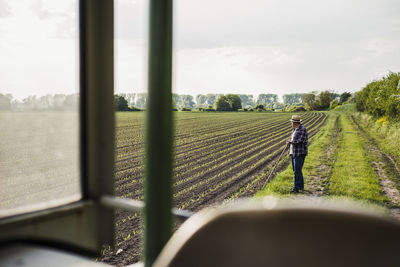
column 219, row 166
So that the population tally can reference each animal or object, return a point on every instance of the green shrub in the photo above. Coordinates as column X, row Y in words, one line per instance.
column 382, row 97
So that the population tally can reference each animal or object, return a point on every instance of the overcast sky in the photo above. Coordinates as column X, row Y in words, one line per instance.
column 220, row 46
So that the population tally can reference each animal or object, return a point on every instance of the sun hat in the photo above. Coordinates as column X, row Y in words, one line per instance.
column 295, row 118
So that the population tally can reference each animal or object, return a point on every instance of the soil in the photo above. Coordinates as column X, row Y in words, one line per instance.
column 129, row 227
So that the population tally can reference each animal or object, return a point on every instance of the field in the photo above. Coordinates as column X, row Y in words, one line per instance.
column 218, row 157
column 39, row 160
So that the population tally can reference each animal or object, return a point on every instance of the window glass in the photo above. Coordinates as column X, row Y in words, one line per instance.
column 39, row 118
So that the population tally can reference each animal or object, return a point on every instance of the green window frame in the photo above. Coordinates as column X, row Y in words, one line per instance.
column 86, row 225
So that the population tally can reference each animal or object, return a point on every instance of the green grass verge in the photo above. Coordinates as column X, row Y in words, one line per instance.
column 352, row 174
column 283, row 182
column 347, row 108
column 386, row 133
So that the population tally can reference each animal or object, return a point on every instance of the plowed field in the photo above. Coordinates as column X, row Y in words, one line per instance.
column 218, row 156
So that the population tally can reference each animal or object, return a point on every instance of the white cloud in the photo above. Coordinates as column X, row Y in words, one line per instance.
column 255, row 46
column 35, row 57
column 4, row 9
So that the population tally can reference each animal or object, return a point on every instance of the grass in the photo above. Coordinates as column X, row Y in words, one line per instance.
column 386, row 135
column 352, row 174
column 347, row 108
column 282, row 183
column 344, row 173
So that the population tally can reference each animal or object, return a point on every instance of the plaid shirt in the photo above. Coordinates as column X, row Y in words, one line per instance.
column 300, row 141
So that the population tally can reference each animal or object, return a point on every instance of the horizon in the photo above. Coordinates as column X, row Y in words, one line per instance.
column 280, row 97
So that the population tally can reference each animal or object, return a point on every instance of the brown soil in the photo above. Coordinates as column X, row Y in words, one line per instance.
column 129, row 226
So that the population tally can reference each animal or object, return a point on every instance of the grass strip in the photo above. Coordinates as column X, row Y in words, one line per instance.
column 353, row 175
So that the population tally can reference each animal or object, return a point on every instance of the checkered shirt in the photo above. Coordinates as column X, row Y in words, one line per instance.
column 300, row 141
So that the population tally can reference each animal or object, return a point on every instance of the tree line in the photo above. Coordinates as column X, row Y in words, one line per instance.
column 208, row 101
column 46, row 102
column 324, row 100
column 381, row 97
column 203, row 102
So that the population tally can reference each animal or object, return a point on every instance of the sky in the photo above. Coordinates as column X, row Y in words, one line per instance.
column 224, row 46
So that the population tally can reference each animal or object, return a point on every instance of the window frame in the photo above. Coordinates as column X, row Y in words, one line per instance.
column 84, row 225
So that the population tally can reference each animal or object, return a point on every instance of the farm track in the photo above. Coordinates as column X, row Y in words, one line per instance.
column 217, row 156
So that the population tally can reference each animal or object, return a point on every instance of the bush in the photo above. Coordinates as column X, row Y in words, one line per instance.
column 135, row 109
column 300, row 109
column 121, row 104
column 259, row 107
column 334, row 103
column 185, row 109
column 344, row 97
column 228, row 103
column 382, row 97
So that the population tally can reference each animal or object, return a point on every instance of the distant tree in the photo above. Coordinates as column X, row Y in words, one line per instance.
column 247, row 100
column 309, row 100
column 324, row 100
column 222, row 104
column 187, row 101
column 234, row 101
column 201, row 101
column 5, row 101
column 130, row 97
column 58, row 101
column 45, row 102
column 176, row 101
column 71, row 102
column 344, row 97
column 211, row 99
column 267, row 99
column 278, row 106
column 290, row 99
column 141, row 100
column 30, row 103
column 121, row 104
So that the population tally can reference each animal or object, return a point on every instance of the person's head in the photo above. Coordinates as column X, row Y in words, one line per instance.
column 296, row 121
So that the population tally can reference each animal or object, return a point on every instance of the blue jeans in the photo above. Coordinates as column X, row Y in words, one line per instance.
column 297, row 164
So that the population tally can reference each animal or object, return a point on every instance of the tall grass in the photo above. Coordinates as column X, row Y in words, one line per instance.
column 385, row 132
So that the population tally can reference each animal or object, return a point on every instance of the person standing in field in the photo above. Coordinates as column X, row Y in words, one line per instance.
column 298, row 151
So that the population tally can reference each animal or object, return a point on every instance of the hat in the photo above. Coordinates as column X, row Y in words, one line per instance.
column 296, row 118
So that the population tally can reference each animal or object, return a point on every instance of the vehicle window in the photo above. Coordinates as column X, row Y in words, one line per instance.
column 39, row 105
